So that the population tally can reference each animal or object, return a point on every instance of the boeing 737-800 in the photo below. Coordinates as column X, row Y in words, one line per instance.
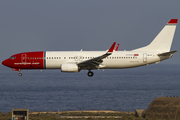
column 75, row 61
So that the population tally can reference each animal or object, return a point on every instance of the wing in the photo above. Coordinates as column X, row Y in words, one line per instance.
column 95, row 62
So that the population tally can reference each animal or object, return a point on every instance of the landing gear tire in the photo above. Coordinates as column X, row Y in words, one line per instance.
column 20, row 74
column 90, row 74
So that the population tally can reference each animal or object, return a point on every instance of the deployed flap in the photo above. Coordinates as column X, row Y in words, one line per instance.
column 167, row 53
column 94, row 63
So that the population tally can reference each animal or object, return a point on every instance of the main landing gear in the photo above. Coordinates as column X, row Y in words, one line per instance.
column 90, row 73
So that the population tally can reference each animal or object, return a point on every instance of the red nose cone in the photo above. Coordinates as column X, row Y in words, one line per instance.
column 5, row 62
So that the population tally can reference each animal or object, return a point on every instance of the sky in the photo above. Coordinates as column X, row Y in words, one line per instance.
column 72, row 25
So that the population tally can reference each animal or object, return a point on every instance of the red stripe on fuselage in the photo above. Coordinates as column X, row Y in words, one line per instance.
column 27, row 60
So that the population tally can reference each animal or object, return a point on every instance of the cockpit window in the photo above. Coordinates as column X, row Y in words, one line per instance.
column 12, row 58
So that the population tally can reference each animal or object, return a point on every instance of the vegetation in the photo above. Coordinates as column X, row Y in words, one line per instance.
column 5, row 116
column 98, row 113
column 77, row 115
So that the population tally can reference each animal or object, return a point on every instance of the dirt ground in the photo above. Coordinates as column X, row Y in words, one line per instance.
column 76, row 115
column 164, row 108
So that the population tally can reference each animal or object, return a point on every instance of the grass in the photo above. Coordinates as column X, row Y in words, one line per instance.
column 82, row 115
column 5, row 116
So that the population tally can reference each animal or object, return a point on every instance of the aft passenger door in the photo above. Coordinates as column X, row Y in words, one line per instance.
column 145, row 57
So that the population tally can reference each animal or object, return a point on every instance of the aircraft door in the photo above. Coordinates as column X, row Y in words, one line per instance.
column 145, row 57
column 23, row 58
column 76, row 58
column 80, row 58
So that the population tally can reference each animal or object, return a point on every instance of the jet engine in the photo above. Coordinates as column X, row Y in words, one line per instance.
column 69, row 67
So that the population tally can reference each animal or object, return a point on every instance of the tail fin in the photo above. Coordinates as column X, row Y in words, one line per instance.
column 163, row 41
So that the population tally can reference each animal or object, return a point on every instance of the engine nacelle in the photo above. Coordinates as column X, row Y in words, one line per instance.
column 69, row 67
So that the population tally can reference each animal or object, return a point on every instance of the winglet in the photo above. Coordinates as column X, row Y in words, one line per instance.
column 112, row 48
column 116, row 48
column 173, row 21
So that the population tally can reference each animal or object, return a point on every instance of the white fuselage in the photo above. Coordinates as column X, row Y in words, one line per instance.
column 117, row 60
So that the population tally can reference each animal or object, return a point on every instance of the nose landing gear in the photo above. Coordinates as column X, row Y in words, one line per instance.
column 15, row 69
column 20, row 74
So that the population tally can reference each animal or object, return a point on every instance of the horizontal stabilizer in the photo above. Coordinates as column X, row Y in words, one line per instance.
column 167, row 53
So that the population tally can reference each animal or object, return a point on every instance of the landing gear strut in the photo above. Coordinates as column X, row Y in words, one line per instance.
column 90, row 74
column 20, row 74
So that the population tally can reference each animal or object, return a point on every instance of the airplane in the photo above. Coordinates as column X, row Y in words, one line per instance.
column 75, row 61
